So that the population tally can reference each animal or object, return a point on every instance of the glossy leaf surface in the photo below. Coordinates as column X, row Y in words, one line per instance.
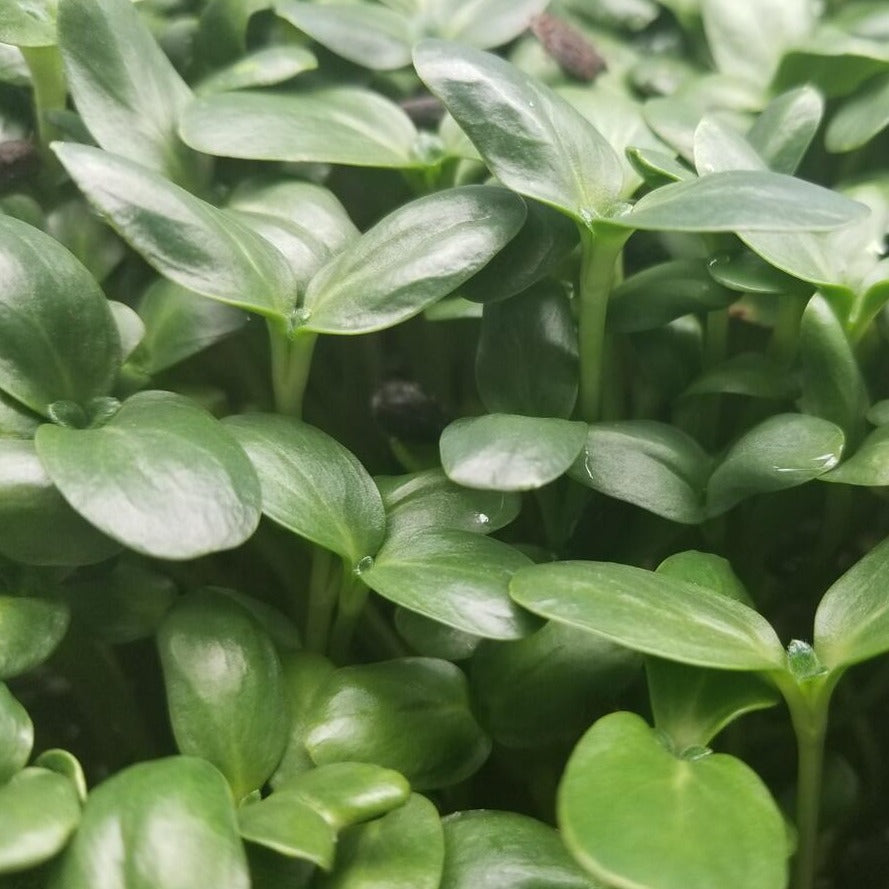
column 174, row 485
column 312, row 485
column 30, row 630
column 284, row 823
column 411, row 715
column 652, row 613
column 16, row 735
column 411, row 258
column 627, row 807
column 162, row 824
column 868, row 466
column 224, row 688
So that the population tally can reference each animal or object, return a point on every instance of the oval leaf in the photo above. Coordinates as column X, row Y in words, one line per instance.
column 312, row 485
column 860, row 118
column 783, row 132
column 174, row 485
column 628, row 806
column 284, row 823
column 30, row 630
column 652, row 613
column 868, row 466
column 416, row 255
column 265, row 67
column 16, row 735
column 224, row 688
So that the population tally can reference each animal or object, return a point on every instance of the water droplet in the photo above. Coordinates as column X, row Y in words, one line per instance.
column 696, row 751
column 588, row 466
column 587, row 216
column 301, row 316
column 364, row 565
column 483, row 519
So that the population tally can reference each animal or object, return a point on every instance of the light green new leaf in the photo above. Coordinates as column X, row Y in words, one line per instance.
column 402, row 850
column 504, row 850
column 126, row 90
column 334, row 125
column 186, row 239
column 860, row 118
column 534, row 141
column 782, row 452
column 510, row 452
column 39, row 811
column 28, row 22
column 265, row 67
column 649, row 464
column 634, row 814
column 164, row 824
column 284, row 823
column 30, row 630
column 16, row 735
column 174, row 483
column 411, row 714
column 224, row 688
column 364, row 33
column 652, row 613
column 414, row 256
column 312, row 485
column 868, row 466
column 852, row 621
column 781, row 135
column 719, row 147
column 483, row 23
column 58, row 339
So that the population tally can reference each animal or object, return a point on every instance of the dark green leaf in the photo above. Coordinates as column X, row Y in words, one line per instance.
column 628, row 807
column 417, row 254
column 265, row 67
column 706, row 570
column 508, row 452
column 16, row 735
column 187, row 240
column 747, row 373
column 224, row 688
column 412, row 715
column 30, row 630
column 430, row 638
column 285, row 823
column 174, row 485
column 868, row 466
column 164, row 824
column 312, row 485
column 652, row 613
column 58, row 340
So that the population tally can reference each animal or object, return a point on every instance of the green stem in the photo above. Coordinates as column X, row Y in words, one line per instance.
column 322, row 600
column 600, row 251
column 50, row 91
column 353, row 598
column 291, row 362
column 785, row 334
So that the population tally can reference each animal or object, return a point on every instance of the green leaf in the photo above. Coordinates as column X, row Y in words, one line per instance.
column 706, row 570
column 747, row 273
column 412, row 715
column 174, row 483
column 414, row 256
column 652, row 613
column 164, row 824
column 30, row 630
column 484, row 23
column 547, row 688
column 187, row 240
column 402, row 850
column 430, row 638
column 284, row 823
column 649, row 464
column 782, row 452
column 658, row 167
column 117, row 74
column 346, row 793
column 265, row 67
column 533, row 140
column 66, row 764
column 334, row 125
column 741, row 200
column 538, row 326
column 868, row 466
column 428, row 501
column 28, row 22
column 508, row 452
column 859, row 119
column 312, row 485
column 719, row 147
column 369, row 35
column 663, row 292
column 39, row 811
column 504, row 850
column 628, row 807
column 852, row 620
column 16, row 735
column 747, row 373
column 37, row 526
column 58, row 340
column 782, row 133
column 222, row 30
column 224, row 688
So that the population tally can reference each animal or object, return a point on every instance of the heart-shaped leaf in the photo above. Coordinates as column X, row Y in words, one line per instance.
column 16, row 735
column 417, row 254
column 30, row 630
column 455, row 577
column 333, row 125
column 411, row 715
column 508, row 452
column 533, row 140
column 652, row 613
column 157, row 825
column 116, row 72
column 628, row 805
column 186, row 239
column 224, row 688
column 174, row 485
column 58, row 339
column 39, row 811
column 312, row 485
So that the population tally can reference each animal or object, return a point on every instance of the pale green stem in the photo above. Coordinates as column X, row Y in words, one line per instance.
column 50, row 90
column 785, row 334
column 322, row 600
column 291, row 362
